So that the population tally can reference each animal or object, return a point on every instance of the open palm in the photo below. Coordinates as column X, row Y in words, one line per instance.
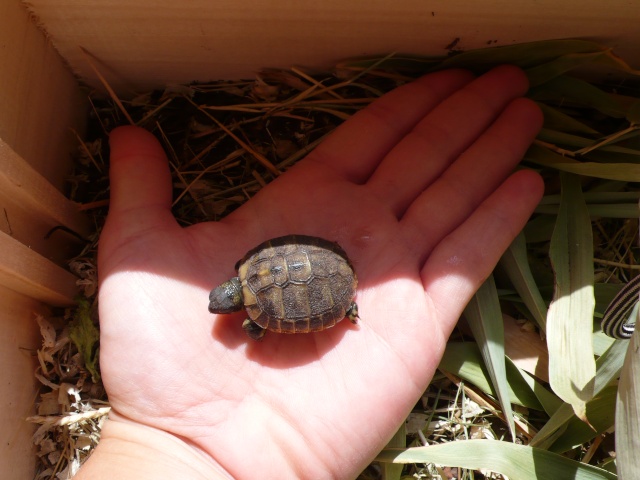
column 417, row 189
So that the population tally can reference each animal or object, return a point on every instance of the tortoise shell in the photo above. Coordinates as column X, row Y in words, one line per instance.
column 291, row 284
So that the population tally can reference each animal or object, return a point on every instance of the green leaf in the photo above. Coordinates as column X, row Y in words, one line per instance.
column 392, row 471
column 550, row 70
column 515, row 263
column 485, row 319
column 518, row 462
column 606, row 153
column 525, row 55
column 614, row 153
column 628, row 412
column 555, row 426
column 548, row 400
column 410, row 64
column 609, row 365
column 630, row 210
column 85, row 336
column 554, row 119
column 570, row 321
column 540, row 229
column 573, row 92
column 607, row 368
column 601, row 343
column 633, row 115
column 601, row 413
column 464, row 360
column 563, row 139
column 598, row 197
column 628, row 172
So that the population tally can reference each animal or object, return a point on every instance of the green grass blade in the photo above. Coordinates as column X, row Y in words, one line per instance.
column 549, row 402
column 609, row 365
column 628, row 412
column 465, row 361
column 601, row 343
column 563, row 139
column 630, row 210
column 633, row 114
column 569, row 324
column 408, row 64
column 607, row 368
column 556, row 120
column 539, row 229
column 86, row 336
column 610, row 152
column 626, row 172
column 525, row 55
column 573, row 92
column 548, row 71
column 554, row 428
column 601, row 413
column 613, row 154
column 485, row 319
column 392, row 471
column 599, row 197
column 518, row 462
column 516, row 265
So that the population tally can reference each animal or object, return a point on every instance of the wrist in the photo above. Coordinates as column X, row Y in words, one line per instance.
column 128, row 450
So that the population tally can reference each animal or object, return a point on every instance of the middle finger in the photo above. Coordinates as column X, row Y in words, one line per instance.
column 443, row 135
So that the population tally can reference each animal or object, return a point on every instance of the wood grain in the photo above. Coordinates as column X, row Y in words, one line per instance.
column 157, row 42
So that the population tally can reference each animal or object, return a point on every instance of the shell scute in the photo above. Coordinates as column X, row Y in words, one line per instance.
column 297, row 284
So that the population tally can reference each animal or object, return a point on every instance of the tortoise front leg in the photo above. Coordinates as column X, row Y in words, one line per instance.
column 253, row 330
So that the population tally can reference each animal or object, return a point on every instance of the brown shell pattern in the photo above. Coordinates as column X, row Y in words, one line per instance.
column 297, row 284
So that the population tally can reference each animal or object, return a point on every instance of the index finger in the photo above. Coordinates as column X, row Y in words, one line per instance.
column 355, row 149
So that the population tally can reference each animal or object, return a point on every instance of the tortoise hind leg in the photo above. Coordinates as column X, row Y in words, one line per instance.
column 352, row 313
column 253, row 330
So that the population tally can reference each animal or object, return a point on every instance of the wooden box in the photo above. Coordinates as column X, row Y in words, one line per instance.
column 44, row 76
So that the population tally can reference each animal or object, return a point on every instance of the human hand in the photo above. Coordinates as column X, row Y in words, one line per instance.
column 417, row 188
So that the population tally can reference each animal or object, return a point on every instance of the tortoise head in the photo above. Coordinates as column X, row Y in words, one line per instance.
column 227, row 297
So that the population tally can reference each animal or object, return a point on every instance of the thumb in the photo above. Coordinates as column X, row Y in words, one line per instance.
column 139, row 174
column 140, row 195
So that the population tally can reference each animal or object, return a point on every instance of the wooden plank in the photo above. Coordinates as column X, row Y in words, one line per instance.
column 20, row 182
column 158, row 42
column 19, row 220
column 27, row 272
column 19, row 338
column 39, row 97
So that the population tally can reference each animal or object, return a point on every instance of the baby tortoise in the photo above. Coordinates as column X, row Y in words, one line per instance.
column 290, row 284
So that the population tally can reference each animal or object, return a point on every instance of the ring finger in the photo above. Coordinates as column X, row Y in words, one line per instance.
column 479, row 171
column 443, row 135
